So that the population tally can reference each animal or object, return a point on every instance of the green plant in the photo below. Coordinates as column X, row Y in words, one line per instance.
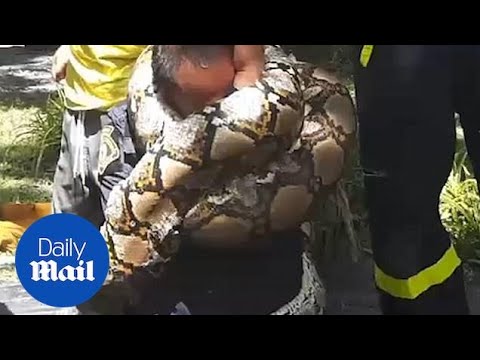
column 460, row 206
column 45, row 130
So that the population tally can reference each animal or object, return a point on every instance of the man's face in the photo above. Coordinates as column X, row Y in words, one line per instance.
column 198, row 86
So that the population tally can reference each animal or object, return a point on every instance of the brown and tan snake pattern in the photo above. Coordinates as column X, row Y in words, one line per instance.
column 230, row 175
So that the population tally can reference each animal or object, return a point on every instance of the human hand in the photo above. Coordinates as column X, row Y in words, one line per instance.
column 249, row 61
column 59, row 63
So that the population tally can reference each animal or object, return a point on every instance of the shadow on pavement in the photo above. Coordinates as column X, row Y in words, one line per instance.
column 25, row 75
column 4, row 310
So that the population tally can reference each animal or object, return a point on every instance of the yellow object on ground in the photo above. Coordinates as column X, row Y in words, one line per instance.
column 15, row 219
column 10, row 234
column 98, row 75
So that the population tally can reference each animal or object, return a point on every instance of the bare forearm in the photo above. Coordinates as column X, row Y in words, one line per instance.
column 60, row 61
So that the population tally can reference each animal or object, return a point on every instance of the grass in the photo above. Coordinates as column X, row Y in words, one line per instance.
column 11, row 117
column 29, row 141
column 25, row 190
column 15, row 157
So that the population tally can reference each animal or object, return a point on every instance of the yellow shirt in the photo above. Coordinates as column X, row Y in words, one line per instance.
column 98, row 75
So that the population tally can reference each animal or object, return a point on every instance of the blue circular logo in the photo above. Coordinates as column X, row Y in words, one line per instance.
column 62, row 260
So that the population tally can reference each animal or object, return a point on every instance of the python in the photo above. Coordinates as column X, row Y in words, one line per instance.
column 48, row 271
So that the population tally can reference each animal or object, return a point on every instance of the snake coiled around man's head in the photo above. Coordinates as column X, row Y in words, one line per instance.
column 235, row 172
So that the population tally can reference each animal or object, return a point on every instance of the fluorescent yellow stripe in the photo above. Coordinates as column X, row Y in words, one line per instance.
column 416, row 285
column 366, row 55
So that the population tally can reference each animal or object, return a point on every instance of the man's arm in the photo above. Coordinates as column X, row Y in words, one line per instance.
column 59, row 62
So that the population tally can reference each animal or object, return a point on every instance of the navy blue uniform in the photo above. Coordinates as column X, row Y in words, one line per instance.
column 407, row 96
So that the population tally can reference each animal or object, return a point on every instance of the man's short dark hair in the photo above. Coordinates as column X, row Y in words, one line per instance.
column 167, row 59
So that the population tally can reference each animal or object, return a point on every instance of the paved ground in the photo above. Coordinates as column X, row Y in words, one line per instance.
column 25, row 75
column 351, row 291
column 15, row 301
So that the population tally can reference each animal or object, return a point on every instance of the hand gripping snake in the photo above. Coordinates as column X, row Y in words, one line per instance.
column 228, row 176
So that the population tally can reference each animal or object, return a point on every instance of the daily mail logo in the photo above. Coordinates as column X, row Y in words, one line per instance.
column 62, row 260
column 51, row 271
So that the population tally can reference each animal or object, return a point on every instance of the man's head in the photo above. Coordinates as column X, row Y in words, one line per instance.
column 188, row 77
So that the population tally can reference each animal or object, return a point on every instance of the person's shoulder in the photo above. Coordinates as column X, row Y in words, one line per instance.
column 140, row 88
column 141, row 78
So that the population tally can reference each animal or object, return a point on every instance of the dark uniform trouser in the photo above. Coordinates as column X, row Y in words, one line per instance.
column 75, row 188
column 407, row 96
column 205, row 281
column 212, row 282
column 216, row 282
